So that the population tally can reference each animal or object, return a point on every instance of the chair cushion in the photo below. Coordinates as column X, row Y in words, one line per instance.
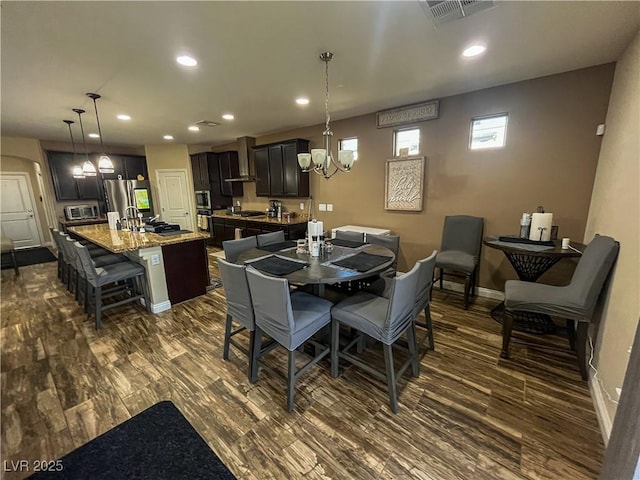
column 310, row 314
column 116, row 272
column 109, row 260
column 365, row 312
column 540, row 298
column 456, row 260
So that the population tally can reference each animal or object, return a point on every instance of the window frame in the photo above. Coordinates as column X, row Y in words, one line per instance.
column 396, row 154
column 485, row 117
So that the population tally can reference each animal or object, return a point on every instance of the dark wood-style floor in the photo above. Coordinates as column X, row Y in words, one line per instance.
column 470, row 415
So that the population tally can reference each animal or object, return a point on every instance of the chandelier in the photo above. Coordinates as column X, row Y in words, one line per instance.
column 105, row 165
column 322, row 158
column 77, row 169
column 88, row 168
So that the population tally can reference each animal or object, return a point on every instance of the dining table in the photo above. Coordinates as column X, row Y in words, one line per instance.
column 530, row 260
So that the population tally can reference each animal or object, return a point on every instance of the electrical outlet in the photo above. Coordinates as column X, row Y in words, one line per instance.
column 301, row 205
column 600, row 129
column 618, row 391
column 329, row 207
column 322, row 207
column 629, row 350
column 155, row 259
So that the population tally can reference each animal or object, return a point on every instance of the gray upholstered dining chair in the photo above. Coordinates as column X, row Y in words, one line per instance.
column 383, row 319
column 575, row 302
column 233, row 248
column 291, row 319
column 129, row 277
column 460, row 251
column 348, row 235
column 270, row 238
column 240, row 309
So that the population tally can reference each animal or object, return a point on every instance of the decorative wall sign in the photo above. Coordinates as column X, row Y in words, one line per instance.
column 404, row 179
column 418, row 112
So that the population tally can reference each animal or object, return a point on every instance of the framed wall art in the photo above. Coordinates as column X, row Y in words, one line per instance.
column 418, row 112
column 404, row 184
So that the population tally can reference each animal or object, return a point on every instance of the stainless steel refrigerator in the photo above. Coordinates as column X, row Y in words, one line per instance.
column 121, row 194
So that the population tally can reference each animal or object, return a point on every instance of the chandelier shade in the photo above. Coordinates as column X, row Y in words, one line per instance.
column 105, row 164
column 322, row 158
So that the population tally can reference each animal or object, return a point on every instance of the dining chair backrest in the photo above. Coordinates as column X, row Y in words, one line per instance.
column 463, row 233
column 401, row 303
column 392, row 242
column 59, row 238
column 592, row 271
column 72, row 255
column 236, row 290
column 425, row 281
column 270, row 238
column 271, row 302
column 233, row 248
column 348, row 235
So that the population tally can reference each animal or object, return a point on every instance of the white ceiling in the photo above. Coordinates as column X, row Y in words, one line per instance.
column 255, row 58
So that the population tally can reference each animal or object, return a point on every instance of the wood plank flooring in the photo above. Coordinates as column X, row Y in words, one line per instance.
column 470, row 414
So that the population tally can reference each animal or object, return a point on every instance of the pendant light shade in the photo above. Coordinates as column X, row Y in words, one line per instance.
column 105, row 165
column 77, row 169
column 88, row 168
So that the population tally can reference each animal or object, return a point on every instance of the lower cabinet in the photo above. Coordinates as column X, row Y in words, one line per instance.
column 225, row 229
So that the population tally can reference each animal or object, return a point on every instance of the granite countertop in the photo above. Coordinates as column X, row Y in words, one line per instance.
column 119, row 241
column 263, row 219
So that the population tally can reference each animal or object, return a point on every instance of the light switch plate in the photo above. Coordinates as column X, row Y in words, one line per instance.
column 322, row 207
column 301, row 205
column 329, row 207
column 600, row 129
column 155, row 259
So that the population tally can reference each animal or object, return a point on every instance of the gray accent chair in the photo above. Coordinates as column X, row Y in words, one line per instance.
column 240, row 309
column 233, row 248
column 351, row 236
column 460, row 251
column 291, row 319
column 129, row 277
column 270, row 238
column 383, row 319
column 575, row 302
column 8, row 247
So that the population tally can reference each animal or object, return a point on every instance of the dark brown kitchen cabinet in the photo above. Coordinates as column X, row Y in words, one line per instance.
column 277, row 170
column 64, row 185
column 229, row 168
column 126, row 167
column 200, row 171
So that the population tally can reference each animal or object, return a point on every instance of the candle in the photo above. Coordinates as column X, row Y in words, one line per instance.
column 541, row 226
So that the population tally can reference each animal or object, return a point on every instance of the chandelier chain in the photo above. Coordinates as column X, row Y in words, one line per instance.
column 326, row 98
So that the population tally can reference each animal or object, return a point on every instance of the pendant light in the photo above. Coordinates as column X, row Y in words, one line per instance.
column 105, row 165
column 88, row 168
column 77, row 169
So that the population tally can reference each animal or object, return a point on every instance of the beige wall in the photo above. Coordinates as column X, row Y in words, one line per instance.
column 550, row 159
column 615, row 211
column 173, row 156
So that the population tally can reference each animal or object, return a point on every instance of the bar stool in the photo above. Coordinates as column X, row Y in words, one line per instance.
column 129, row 278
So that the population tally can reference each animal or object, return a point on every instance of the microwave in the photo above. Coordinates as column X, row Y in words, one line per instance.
column 203, row 199
column 81, row 212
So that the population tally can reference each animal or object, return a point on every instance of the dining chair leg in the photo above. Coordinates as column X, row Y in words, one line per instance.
column 255, row 340
column 413, row 349
column 15, row 263
column 571, row 333
column 429, row 323
column 507, row 327
column 467, row 289
column 335, row 344
column 581, row 348
column 441, row 275
column 98, row 306
column 391, row 377
column 291, row 379
column 362, row 342
column 227, row 337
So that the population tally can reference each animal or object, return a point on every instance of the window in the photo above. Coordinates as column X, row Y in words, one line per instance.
column 407, row 139
column 349, row 144
column 488, row 132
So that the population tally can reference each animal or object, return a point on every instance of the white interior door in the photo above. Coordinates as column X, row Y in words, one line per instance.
column 17, row 216
column 174, row 198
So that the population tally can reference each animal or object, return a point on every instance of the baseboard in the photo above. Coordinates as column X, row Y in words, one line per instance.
column 480, row 291
column 601, row 409
column 160, row 307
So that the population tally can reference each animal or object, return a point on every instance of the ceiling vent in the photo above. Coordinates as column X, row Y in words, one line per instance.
column 443, row 11
column 206, row 123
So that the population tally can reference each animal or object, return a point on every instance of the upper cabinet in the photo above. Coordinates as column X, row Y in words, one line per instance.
column 200, row 171
column 210, row 170
column 229, row 168
column 277, row 170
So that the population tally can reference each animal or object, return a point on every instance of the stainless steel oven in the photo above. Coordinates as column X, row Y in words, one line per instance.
column 203, row 200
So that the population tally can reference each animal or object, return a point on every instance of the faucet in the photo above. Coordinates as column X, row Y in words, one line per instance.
column 137, row 214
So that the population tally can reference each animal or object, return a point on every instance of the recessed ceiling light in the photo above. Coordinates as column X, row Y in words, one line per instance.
column 168, row 137
column 194, row 128
column 124, row 116
column 228, row 116
column 187, row 61
column 302, row 101
column 473, row 50
column 93, row 135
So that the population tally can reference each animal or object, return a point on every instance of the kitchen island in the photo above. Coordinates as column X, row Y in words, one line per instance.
column 225, row 225
column 177, row 266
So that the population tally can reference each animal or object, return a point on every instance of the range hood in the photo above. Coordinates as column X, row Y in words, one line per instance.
column 245, row 152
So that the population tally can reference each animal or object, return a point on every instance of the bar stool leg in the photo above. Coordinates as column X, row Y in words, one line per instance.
column 98, row 306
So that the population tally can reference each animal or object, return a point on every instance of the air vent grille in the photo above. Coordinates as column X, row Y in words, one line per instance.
column 206, row 123
column 443, row 11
